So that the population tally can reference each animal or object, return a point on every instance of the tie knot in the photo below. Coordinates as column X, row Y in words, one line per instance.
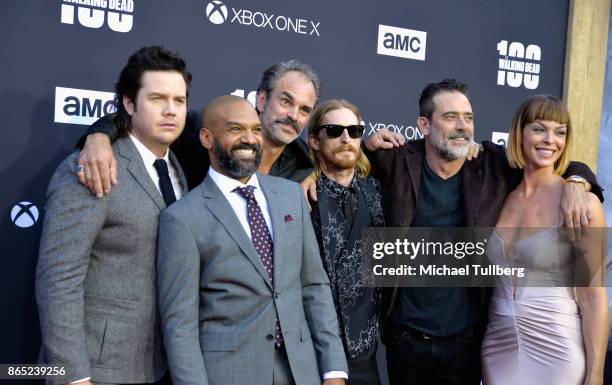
column 246, row 192
column 161, row 167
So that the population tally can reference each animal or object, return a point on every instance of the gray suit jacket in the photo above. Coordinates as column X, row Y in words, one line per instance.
column 217, row 304
column 95, row 280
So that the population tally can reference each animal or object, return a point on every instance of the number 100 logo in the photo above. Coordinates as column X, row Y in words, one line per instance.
column 519, row 66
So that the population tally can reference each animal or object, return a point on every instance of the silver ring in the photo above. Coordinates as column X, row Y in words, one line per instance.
column 80, row 168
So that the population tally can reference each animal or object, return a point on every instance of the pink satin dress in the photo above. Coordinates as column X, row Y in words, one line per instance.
column 534, row 334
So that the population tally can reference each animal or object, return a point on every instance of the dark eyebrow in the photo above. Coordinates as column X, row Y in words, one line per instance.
column 156, row 93
column 285, row 93
column 457, row 113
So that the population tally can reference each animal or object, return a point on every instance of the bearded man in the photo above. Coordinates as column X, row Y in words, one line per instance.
column 433, row 334
column 348, row 200
column 243, row 295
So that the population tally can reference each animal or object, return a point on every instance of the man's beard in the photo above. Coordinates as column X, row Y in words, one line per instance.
column 334, row 163
column 445, row 149
column 233, row 166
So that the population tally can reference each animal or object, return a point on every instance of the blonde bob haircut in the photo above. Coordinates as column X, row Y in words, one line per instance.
column 538, row 107
column 363, row 166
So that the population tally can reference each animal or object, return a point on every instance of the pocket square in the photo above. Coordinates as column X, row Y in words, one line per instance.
column 288, row 218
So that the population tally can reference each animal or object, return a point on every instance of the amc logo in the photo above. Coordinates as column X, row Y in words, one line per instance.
column 401, row 42
column 76, row 106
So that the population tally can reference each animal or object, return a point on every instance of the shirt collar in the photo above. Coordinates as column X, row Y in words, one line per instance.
column 332, row 184
column 147, row 155
column 227, row 184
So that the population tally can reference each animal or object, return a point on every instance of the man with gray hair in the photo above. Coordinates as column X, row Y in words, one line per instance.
column 286, row 96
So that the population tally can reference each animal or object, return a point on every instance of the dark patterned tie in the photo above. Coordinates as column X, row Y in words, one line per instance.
column 165, row 185
column 261, row 240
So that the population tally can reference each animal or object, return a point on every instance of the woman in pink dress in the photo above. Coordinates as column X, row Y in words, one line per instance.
column 547, row 335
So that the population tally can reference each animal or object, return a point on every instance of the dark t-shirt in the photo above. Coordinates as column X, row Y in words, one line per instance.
column 437, row 311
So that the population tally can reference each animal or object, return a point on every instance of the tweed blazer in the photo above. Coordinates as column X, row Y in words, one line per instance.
column 95, row 279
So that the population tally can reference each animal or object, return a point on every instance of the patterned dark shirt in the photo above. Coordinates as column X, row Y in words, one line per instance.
column 357, row 302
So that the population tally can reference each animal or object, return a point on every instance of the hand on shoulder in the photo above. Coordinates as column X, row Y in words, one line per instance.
column 598, row 216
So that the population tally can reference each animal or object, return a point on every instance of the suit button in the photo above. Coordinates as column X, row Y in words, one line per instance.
column 269, row 337
column 276, row 294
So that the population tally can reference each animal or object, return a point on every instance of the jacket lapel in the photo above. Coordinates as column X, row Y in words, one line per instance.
column 414, row 161
column 136, row 167
column 276, row 215
column 179, row 171
column 472, row 188
column 222, row 210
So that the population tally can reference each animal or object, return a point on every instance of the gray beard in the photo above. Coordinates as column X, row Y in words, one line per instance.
column 447, row 151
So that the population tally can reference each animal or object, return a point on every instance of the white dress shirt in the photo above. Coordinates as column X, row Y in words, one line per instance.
column 149, row 158
column 239, row 205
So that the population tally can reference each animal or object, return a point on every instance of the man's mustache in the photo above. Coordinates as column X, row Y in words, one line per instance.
column 459, row 135
column 287, row 120
column 246, row 146
column 347, row 147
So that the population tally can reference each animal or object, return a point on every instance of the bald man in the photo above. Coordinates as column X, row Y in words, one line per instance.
column 243, row 296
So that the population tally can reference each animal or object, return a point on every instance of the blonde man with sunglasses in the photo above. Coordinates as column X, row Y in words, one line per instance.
column 348, row 200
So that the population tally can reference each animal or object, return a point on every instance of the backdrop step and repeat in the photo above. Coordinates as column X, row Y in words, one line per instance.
column 60, row 58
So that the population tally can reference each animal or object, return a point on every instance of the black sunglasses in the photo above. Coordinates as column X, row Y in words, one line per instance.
column 335, row 130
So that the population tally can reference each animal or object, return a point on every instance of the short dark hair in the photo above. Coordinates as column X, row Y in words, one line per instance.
column 278, row 69
column 154, row 58
column 426, row 103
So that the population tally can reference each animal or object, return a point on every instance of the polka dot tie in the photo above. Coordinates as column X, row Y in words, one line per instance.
column 260, row 236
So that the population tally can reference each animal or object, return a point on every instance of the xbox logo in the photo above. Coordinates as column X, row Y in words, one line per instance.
column 24, row 214
column 216, row 12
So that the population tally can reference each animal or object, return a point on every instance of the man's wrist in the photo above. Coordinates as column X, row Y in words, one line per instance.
column 578, row 179
column 100, row 135
column 335, row 374
column 81, row 380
